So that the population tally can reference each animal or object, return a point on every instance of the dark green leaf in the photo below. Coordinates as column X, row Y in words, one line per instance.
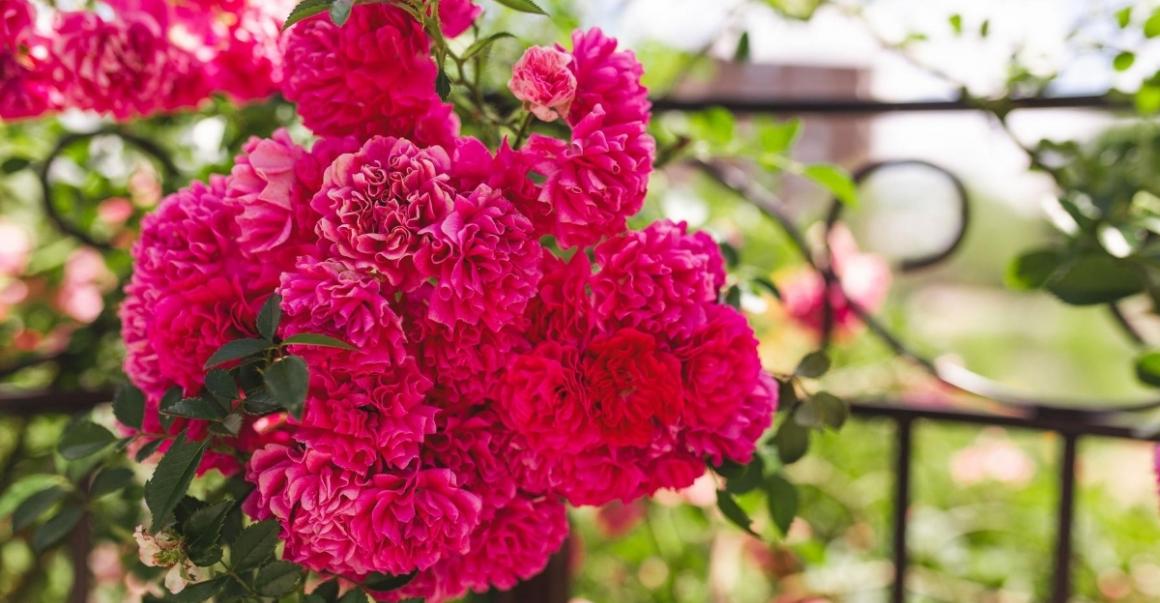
column 203, row 530
column 109, row 480
column 56, row 528
column 172, row 395
column 813, row 365
column 809, row 414
column 236, row 350
column 221, row 386
column 129, row 405
column 1096, row 279
column 733, row 511
column 254, row 545
column 232, row 423
column 84, row 438
column 729, row 254
column 314, row 339
column 835, row 180
column 792, row 441
column 354, row 595
column 783, row 501
column 764, row 283
column 834, row 410
column 15, row 164
column 327, row 592
column 1124, row 60
column 985, row 28
column 742, row 53
column 305, row 10
column 35, row 506
column 340, row 11
column 278, row 579
column 733, row 296
column 524, row 6
column 202, row 591
column 443, row 85
column 288, row 381
column 481, row 45
column 195, row 408
column 1033, row 269
column 786, row 394
column 148, row 449
column 1148, row 368
column 1124, row 17
column 171, row 479
column 749, row 479
column 386, row 583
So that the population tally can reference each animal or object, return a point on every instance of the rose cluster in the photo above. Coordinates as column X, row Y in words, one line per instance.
column 515, row 347
column 138, row 57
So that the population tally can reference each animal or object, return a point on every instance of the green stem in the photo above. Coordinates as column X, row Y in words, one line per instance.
column 522, row 133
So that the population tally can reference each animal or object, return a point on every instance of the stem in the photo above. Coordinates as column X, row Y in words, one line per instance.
column 522, row 133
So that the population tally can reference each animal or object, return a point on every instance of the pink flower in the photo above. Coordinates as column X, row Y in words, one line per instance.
column 372, row 76
column 721, row 368
column 125, row 67
column 608, row 79
column 563, row 311
column 660, row 279
column 616, row 519
column 864, row 277
column 115, row 211
column 86, row 279
column 25, row 79
column 16, row 20
column 596, row 181
column 377, row 207
column 737, row 438
column 634, row 386
column 15, row 247
column 486, row 262
column 544, row 81
column 247, row 64
column 457, row 16
column 543, row 397
column 473, row 165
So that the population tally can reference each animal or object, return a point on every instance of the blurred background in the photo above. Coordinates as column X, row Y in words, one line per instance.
column 982, row 514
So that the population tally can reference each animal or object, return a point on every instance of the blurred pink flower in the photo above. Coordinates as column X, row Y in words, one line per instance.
column 15, row 247
column 86, row 279
column 993, row 457
column 115, row 211
column 617, row 519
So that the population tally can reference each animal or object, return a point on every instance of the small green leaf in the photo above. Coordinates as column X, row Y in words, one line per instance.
column 195, row 408
column 386, row 583
column 729, row 254
column 236, row 350
column 748, row 479
column 1148, row 368
column 742, row 53
column 733, row 511
column 171, row 479
column 524, row 6
column 809, row 414
column 233, row 423
column 835, row 411
column 1124, row 60
column 314, row 339
column 443, row 85
column 1096, row 278
column 278, row 579
column 15, row 164
column 813, row 365
column 172, row 395
column 782, row 497
column 305, row 10
column 792, row 441
column 835, row 180
column 985, row 28
column 733, row 296
column 203, row 530
column 148, row 449
column 202, row 591
column 1033, row 269
column 254, row 545
column 221, row 386
column 483, row 44
column 354, row 595
column 327, row 592
column 288, row 381
column 35, row 506
column 129, row 405
column 56, row 528
column 1124, row 17
column 764, row 283
column 340, row 11
column 1152, row 25
column 110, row 480
column 84, row 438
column 956, row 21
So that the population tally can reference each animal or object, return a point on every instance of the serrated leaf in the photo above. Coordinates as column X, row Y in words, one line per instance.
column 749, row 479
column 110, row 480
column 56, row 528
column 443, row 85
column 481, row 45
column 385, row 583
column 326, row 592
column 782, row 498
column 171, row 479
column 270, row 316
column 340, row 11
column 277, row 579
column 288, row 381
column 254, row 545
column 171, row 396
column 317, row 340
column 129, row 405
column 305, row 10
column 148, row 449
column 834, row 180
column 236, row 350
column 524, row 6
column 221, row 385
column 792, row 441
column 36, row 506
column 195, row 408
column 354, row 595
column 203, row 530
column 202, row 591
column 733, row 511
column 813, row 365
column 84, row 438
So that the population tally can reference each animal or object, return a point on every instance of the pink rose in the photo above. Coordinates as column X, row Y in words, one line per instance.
column 543, row 79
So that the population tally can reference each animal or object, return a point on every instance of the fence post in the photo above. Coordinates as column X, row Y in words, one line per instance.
column 905, row 437
column 1061, row 572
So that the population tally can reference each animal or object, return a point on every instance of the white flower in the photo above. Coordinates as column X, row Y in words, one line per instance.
column 158, row 550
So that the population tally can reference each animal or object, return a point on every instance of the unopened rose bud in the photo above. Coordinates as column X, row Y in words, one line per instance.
column 544, row 81
column 158, row 550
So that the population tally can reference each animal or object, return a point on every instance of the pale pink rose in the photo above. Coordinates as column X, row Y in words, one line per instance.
column 15, row 247
column 115, row 211
column 544, row 81
column 86, row 278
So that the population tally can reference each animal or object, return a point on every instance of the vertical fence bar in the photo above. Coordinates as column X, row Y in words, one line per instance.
column 901, row 506
column 1061, row 572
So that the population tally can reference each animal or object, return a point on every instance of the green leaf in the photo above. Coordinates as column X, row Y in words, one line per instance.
column 729, row 254
column 288, row 381
column 340, row 11
column 1096, row 278
column 326, row 592
column 956, row 21
column 1124, row 17
column 443, row 84
column 195, row 408
column 776, row 138
column 524, row 6
column 15, row 164
column 354, row 595
column 129, row 405
column 1033, row 269
column 742, row 53
column 148, row 449
column 481, row 45
column 1147, row 369
column 202, row 591
column 278, row 579
column 386, row 583
column 749, row 478
column 221, row 385
column 35, row 506
column 835, row 180
column 764, row 283
column 1152, row 25
column 84, row 438
column 792, row 441
column 110, row 480
column 733, row 296
column 985, row 28
column 254, row 545
column 172, row 395
column 317, row 340
column 203, row 530
column 835, row 411
column 782, row 497
column 56, row 528
column 171, row 479
column 305, row 10
column 733, row 511
column 236, row 350
column 809, row 414
column 1124, row 60
column 813, row 365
